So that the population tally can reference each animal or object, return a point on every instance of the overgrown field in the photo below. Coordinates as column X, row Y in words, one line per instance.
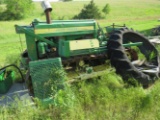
column 107, row 98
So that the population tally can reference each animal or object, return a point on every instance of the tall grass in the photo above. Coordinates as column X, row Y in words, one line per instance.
column 99, row 99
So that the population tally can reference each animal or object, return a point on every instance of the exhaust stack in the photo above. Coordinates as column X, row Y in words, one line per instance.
column 47, row 9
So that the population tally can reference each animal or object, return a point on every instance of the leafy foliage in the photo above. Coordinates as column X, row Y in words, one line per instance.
column 2, row 1
column 89, row 11
column 16, row 9
column 106, row 9
column 104, row 98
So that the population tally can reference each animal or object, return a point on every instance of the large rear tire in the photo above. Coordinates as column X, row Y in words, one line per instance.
column 120, row 61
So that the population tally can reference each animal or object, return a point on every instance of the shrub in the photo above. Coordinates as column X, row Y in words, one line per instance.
column 16, row 9
column 89, row 11
column 106, row 9
column 2, row 1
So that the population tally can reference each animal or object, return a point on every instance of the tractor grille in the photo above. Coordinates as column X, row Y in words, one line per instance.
column 47, row 77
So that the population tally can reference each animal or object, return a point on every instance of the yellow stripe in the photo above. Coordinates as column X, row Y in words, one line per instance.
column 84, row 44
column 56, row 30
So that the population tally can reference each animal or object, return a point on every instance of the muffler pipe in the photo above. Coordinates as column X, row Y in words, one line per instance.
column 47, row 9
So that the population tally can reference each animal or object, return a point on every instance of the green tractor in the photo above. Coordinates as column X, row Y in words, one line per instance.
column 79, row 50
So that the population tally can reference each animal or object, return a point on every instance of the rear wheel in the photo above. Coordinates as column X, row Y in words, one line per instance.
column 144, row 73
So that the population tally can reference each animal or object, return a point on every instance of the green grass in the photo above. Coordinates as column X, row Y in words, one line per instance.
column 108, row 98
column 105, row 98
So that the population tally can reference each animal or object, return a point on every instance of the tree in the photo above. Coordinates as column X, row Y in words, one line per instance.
column 17, row 9
column 106, row 9
column 89, row 11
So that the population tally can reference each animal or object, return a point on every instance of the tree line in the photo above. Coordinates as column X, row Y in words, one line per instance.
column 19, row 9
